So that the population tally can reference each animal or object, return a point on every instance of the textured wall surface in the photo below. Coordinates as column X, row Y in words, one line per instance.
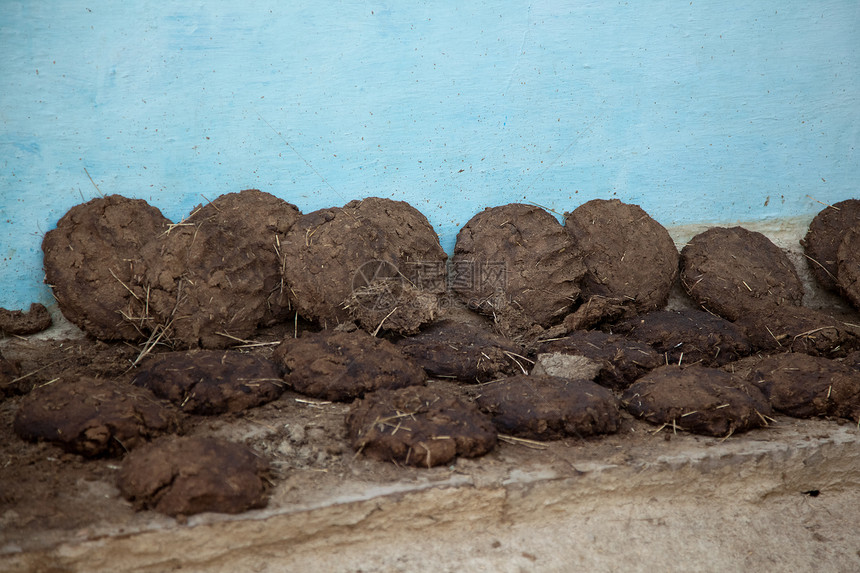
column 716, row 112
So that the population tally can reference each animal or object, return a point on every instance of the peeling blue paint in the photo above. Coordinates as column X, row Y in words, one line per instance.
column 696, row 111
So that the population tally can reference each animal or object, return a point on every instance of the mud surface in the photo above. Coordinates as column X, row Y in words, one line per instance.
column 209, row 382
column 94, row 417
column 549, row 408
column 374, row 261
column 822, row 240
column 734, row 272
column 335, row 365
column 619, row 362
column 805, row 386
column 188, row 475
column 697, row 399
column 638, row 264
column 517, row 264
column 417, row 426
column 89, row 259
column 470, row 353
column 22, row 323
column 214, row 278
column 688, row 336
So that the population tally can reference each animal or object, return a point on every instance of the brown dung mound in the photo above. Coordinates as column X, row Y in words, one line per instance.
column 215, row 277
column 417, row 427
column 376, row 261
column 618, row 362
column 800, row 329
column 688, row 336
column 9, row 373
column 449, row 349
column 550, row 408
column 336, row 365
column 21, row 323
column 88, row 263
column 517, row 264
column 824, row 236
column 184, row 476
column 852, row 360
column 629, row 255
column 93, row 417
column 697, row 399
column 733, row 272
column 262, row 221
column 210, row 382
column 848, row 266
column 805, row 386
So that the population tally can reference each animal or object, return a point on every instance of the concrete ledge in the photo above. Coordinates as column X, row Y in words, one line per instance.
column 696, row 502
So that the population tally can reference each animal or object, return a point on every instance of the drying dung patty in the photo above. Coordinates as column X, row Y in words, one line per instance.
column 805, row 386
column 618, row 362
column 336, row 365
column 549, row 408
column 852, row 360
column 800, row 329
column 94, row 417
column 210, row 382
column 697, row 399
column 848, row 265
column 88, row 263
column 628, row 254
column 375, row 261
column 688, row 336
column 188, row 475
column 261, row 221
column 733, row 272
column 212, row 279
column 448, row 349
column 517, row 264
column 415, row 426
column 21, row 323
column 9, row 378
column 824, row 236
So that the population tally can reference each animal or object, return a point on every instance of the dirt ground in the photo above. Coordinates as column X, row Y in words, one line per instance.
column 784, row 497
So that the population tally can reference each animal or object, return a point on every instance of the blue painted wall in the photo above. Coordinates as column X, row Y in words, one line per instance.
column 717, row 111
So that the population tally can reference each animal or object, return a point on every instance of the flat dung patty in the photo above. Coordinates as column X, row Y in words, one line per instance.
column 824, row 236
column 210, row 382
column 88, row 263
column 688, row 336
column 550, row 408
column 805, row 386
column 335, row 365
column 94, row 417
column 517, row 264
column 800, row 329
column 21, row 323
column 215, row 277
column 375, row 261
column 261, row 220
column 619, row 361
column 628, row 254
column 848, row 266
column 415, row 426
column 449, row 349
column 734, row 271
column 188, row 475
column 697, row 399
